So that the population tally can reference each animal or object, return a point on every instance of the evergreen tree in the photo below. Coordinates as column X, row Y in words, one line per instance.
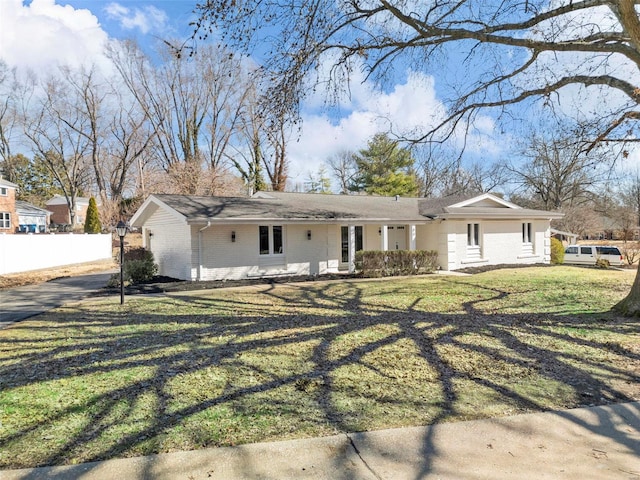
column 384, row 168
column 36, row 183
column 92, row 222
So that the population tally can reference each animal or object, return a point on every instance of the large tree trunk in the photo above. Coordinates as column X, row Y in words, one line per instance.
column 630, row 305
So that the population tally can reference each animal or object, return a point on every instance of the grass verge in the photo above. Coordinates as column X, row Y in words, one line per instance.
column 95, row 380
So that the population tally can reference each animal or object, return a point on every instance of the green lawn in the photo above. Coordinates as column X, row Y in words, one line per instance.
column 96, row 380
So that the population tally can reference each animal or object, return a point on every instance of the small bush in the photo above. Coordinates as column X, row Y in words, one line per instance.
column 557, row 252
column 602, row 263
column 631, row 252
column 376, row 263
column 138, row 267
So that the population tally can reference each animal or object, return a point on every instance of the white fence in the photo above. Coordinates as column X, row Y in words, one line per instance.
column 21, row 253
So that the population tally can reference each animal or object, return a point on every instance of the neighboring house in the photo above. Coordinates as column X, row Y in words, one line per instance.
column 31, row 219
column 60, row 210
column 8, row 215
column 274, row 233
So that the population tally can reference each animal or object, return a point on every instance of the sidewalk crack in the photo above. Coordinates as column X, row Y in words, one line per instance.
column 353, row 445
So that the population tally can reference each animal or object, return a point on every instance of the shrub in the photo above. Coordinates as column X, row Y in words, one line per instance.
column 631, row 252
column 376, row 263
column 138, row 267
column 92, row 222
column 557, row 251
column 602, row 263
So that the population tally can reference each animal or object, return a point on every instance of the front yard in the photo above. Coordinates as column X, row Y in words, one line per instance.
column 96, row 380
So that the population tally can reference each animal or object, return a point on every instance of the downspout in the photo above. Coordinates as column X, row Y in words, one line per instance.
column 200, row 250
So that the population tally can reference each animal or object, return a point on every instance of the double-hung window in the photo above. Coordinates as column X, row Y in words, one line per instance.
column 527, row 233
column 527, row 238
column 473, row 241
column 271, row 239
column 5, row 220
column 473, row 234
column 4, row 192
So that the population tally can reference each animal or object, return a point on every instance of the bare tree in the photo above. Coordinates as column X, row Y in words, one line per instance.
column 52, row 123
column 630, row 193
column 193, row 104
column 247, row 152
column 278, row 130
column 8, row 117
column 520, row 51
column 557, row 170
column 344, row 169
column 582, row 220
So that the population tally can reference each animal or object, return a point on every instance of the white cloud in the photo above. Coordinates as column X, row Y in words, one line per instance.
column 146, row 19
column 43, row 34
column 408, row 108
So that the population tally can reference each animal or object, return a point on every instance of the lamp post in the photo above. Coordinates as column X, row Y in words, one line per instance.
column 121, row 228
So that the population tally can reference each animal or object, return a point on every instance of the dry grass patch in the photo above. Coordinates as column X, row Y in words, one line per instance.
column 96, row 380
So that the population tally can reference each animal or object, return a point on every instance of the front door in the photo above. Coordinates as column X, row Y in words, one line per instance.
column 344, row 243
column 397, row 237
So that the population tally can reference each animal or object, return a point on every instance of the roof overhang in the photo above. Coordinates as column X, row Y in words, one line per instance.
column 308, row 221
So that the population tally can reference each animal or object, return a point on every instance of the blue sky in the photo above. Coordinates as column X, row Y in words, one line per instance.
column 40, row 34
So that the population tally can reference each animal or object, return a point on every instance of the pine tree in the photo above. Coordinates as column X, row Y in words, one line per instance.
column 385, row 168
column 92, row 223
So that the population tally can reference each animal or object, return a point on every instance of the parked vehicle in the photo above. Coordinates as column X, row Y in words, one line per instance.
column 590, row 254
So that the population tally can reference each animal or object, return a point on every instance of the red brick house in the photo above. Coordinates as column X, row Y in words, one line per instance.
column 60, row 210
column 8, row 215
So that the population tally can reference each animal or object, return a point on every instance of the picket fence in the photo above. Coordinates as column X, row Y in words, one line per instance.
column 26, row 252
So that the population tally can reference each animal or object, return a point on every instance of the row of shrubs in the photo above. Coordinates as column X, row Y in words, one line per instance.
column 376, row 263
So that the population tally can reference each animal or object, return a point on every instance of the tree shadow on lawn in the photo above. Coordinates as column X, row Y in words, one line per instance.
column 311, row 360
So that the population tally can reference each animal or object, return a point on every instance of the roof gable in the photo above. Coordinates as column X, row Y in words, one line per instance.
column 486, row 200
column 150, row 206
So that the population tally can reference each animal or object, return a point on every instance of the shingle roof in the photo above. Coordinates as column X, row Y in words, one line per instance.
column 294, row 206
column 280, row 206
column 26, row 208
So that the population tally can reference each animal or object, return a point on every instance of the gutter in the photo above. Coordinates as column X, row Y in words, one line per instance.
column 199, row 278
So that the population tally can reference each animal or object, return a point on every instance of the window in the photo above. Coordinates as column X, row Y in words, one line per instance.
column 271, row 239
column 473, row 234
column 608, row 251
column 5, row 220
column 527, row 233
column 4, row 192
column 572, row 250
column 585, row 251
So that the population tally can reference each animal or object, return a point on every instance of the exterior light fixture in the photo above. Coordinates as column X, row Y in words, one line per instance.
column 308, row 234
column 121, row 230
column 233, row 236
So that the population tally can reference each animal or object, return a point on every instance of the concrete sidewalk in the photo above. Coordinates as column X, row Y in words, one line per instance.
column 581, row 444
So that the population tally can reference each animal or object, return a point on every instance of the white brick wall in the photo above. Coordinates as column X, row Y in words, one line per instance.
column 186, row 252
column 501, row 242
column 223, row 259
column 170, row 243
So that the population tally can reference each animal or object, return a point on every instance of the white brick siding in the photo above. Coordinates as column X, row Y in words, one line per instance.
column 185, row 252
column 170, row 244
column 500, row 243
column 223, row 259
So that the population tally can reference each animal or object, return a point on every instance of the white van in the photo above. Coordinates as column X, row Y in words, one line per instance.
column 590, row 254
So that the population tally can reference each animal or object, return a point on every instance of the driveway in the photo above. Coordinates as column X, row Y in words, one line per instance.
column 24, row 302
